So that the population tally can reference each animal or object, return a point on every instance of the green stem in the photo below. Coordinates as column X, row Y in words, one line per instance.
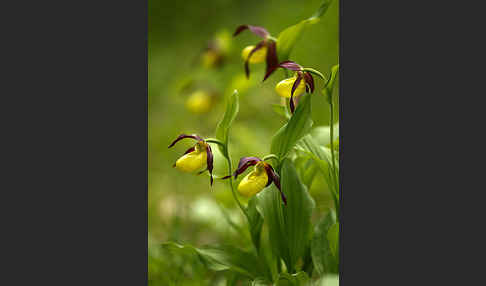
column 216, row 141
column 231, row 183
column 271, row 156
column 316, row 72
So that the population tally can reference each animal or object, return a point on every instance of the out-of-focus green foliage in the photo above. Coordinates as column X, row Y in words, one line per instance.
column 183, row 207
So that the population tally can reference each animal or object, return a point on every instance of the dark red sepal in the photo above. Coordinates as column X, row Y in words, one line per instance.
column 273, row 177
column 296, row 83
column 309, row 80
column 244, row 163
column 289, row 65
column 259, row 31
column 189, row 150
column 182, row 136
column 247, row 61
column 294, row 87
column 271, row 59
column 209, row 162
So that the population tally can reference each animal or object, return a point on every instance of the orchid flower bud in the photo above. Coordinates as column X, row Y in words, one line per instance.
column 258, row 56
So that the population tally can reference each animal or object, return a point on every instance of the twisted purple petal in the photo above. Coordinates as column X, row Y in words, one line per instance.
column 244, row 163
column 189, row 150
column 294, row 87
column 272, row 59
column 256, row 48
column 259, row 31
column 290, row 65
column 209, row 162
column 182, row 136
column 273, row 177
column 309, row 80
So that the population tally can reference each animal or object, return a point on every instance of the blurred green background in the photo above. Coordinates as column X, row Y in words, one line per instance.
column 182, row 207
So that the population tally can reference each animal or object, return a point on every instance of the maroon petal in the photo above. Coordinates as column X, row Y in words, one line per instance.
column 209, row 162
column 189, row 150
column 294, row 87
column 182, row 136
column 256, row 48
column 292, row 104
column 273, row 177
column 290, row 65
column 268, row 73
column 259, row 31
column 309, row 80
column 296, row 83
column 272, row 60
column 244, row 163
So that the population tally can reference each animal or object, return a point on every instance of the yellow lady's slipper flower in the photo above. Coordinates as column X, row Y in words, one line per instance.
column 254, row 182
column 265, row 50
column 262, row 176
column 199, row 102
column 298, row 85
column 196, row 157
column 257, row 57
column 193, row 161
column 284, row 87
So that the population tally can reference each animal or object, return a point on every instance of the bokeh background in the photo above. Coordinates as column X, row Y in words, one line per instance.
column 182, row 207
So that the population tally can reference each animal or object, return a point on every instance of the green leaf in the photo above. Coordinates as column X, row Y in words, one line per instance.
column 309, row 174
column 322, row 134
column 333, row 238
column 287, row 39
column 224, row 125
column 291, row 35
column 322, row 157
column 327, row 91
column 289, row 226
column 298, row 279
column 322, row 9
column 255, row 220
column 260, row 281
column 297, row 213
column 324, row 261
column 222, row 258
column 269, row 205
column 299, row 125
column 281, row 110
column 328, row 280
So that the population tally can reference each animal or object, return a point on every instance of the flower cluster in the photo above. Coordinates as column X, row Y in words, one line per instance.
column 267, row 50
column 199, row 158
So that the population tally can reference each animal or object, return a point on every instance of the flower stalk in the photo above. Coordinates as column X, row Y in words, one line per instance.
column 233, row 191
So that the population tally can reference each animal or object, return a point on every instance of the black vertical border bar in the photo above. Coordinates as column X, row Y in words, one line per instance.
column 145, row 208
column 80, row 147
